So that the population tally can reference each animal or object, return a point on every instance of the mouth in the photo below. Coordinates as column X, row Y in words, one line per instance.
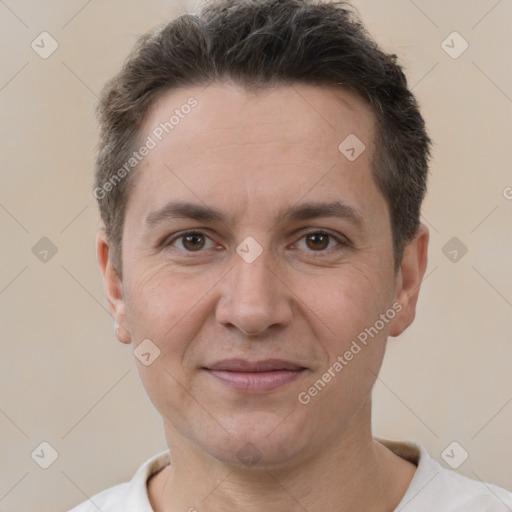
column 255, row 376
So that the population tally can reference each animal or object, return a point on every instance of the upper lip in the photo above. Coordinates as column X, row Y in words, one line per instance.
column 241, row 365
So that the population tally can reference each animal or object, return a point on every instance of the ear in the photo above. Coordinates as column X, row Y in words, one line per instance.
column 410, row 275
column 113, row 288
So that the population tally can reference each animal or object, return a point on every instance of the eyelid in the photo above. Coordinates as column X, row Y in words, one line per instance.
column 341, row 239
column 171, row 239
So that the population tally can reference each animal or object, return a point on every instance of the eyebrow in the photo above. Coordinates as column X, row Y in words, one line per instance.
column 303, row 211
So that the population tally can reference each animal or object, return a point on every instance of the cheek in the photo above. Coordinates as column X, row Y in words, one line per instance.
column 352, row 301
column 166, row 307
column 160, row 299
column 350, row 308
column 169, row 307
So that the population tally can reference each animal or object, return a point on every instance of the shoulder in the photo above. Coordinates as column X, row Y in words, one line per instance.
column 470, row 495
column 435, row 487
column 129, row 496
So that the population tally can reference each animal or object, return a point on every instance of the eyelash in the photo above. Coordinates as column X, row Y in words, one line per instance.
column 342, row 241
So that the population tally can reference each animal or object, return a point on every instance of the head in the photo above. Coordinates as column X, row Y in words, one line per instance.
column 281, row 124
column 259, row 45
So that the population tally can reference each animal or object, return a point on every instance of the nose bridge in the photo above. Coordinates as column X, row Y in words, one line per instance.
column 253, row 280
column 253, row 298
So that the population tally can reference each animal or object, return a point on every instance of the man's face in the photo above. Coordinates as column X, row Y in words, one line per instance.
column 266, row 278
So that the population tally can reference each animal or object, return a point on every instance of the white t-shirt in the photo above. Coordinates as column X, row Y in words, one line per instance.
column 432, row 489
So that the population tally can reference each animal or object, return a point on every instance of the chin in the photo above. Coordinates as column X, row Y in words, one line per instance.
column 257, row 441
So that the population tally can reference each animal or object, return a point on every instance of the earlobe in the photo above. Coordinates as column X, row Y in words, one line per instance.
column 122, row 334
column 410, row 275
column 113, row 288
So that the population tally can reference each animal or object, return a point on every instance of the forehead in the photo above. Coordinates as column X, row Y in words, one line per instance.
column 272, row 145
column 314, row 115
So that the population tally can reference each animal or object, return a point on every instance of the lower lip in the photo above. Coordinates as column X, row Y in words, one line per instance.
column 256, row 382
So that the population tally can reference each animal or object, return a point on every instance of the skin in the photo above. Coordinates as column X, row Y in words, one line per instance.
column 304, row 299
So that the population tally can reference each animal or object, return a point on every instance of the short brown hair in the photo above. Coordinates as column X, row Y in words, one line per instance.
column 260, row 44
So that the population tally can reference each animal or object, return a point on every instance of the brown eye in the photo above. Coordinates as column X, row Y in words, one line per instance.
column 321, row 242
column 193, row 242
column 189, row 242
column 317, row 241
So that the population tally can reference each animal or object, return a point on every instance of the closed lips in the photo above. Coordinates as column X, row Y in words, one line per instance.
column 255, row 376
column 241, row 365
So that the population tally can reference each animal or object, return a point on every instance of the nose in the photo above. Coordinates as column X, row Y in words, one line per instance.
column 254, row 297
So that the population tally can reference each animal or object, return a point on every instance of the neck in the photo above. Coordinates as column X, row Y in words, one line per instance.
column 354, row 473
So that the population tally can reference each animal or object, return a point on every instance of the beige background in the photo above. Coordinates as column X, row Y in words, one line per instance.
column 64, row 378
